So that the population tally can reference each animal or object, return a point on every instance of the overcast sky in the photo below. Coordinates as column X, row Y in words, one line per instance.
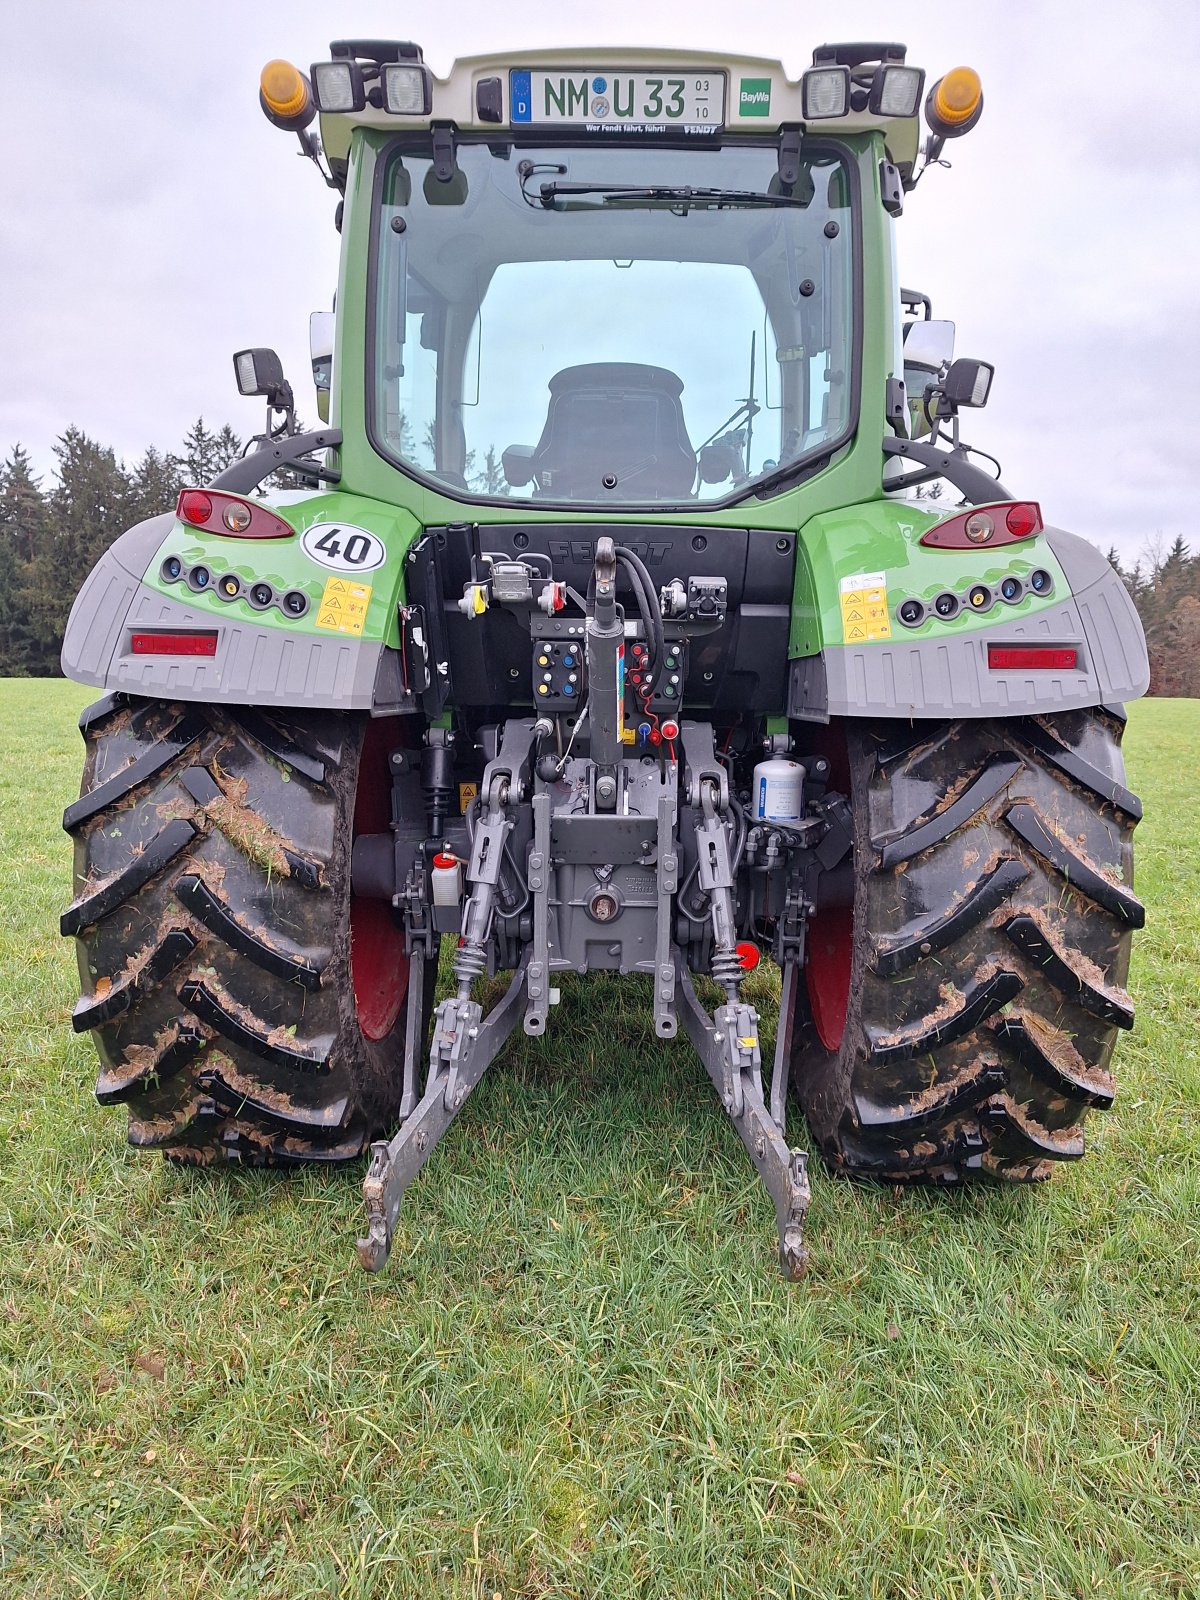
column 152, row 221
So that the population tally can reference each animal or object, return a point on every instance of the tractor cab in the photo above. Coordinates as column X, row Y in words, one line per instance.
column 595, row 283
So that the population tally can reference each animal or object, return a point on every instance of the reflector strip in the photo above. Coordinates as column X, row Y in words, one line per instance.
column 1014, row 657
column 173, row 644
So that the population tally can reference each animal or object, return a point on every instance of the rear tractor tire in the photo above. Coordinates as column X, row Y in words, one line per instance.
column 244, row 1005
column 961, row 1014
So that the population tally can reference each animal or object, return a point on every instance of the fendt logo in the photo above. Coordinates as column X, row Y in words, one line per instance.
column 754, row 97
column 583, row 551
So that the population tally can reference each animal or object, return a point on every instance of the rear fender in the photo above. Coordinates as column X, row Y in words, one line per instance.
column 853, row 656
column 341, row 653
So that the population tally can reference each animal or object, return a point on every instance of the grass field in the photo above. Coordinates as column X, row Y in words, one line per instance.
column 581, row 1375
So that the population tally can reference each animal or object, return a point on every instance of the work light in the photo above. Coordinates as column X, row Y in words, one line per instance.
column 407, row 91
column 338, row 86
column 896, row 91
column 825, row 92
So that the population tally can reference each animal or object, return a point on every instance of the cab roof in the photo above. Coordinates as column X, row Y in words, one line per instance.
column 608, row 92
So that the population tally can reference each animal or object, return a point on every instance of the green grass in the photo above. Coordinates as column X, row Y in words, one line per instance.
column 581, row 1375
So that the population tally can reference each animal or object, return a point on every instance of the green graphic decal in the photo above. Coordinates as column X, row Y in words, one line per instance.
column 754, row 98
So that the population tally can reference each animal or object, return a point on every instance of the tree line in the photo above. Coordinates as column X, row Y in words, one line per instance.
column 52, row 535
column 1164, row 584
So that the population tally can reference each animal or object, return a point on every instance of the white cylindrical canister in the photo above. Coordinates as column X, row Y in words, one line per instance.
column 778, row 790
column 446, row 884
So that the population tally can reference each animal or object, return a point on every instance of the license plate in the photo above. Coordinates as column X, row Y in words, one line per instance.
column 629, row 102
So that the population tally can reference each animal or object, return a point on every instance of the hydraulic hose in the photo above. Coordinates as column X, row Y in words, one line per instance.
column 651, row 611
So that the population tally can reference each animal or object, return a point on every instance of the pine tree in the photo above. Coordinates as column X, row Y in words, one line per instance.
column 154, row 485
column 88, row 509
column 491, row 479
column 24, row 525
column 23, row 506
column 205, row 454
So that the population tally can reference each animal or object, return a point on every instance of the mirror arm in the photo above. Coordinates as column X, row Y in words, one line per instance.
column 250, row 471
column 978, row 486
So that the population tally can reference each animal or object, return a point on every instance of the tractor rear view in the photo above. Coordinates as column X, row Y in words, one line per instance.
column 611, row 629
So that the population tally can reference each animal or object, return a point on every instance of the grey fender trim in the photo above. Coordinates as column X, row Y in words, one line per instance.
column 911, row 677
column 1111, row 624
column 254, row 665
column 100, row 608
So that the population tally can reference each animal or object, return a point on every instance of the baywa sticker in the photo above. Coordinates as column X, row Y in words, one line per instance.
column 754, row 98
column 342, row 547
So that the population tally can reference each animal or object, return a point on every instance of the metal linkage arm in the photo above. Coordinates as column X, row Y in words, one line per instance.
column 465, row 1043
column 727, row 1043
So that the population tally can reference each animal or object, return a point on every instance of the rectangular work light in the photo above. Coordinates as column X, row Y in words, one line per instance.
column 338, row 86
column 825, row 92
column 896, row 91
column 407, row 89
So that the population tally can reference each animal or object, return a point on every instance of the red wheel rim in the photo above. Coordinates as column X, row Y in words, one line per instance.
column 827, row 972
column 378, row 964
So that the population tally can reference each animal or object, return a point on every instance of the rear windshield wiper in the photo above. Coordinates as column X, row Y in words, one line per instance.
column 679, row 198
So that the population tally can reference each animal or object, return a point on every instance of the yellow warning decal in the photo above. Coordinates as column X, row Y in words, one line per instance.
column 466, row 793
column 865, row 607
column 343, row 605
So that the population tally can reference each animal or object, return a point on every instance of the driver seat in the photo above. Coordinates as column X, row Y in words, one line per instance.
column 615, row 419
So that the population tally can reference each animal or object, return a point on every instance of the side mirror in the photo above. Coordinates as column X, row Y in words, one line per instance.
column 928, row 350
column 320, row 346
column 517, row 462
column 968, row 383
column 929, row 344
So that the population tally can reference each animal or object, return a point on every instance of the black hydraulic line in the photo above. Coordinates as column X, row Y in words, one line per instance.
column 649, row 606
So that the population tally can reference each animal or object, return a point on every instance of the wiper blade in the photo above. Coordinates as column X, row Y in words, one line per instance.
column 680, row 197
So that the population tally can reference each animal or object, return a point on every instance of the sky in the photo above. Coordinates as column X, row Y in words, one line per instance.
column 152, row 221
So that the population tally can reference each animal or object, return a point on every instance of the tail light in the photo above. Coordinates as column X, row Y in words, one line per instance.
column 1020, row 657
column 986, row 526
column 230, row 515
column 196, row 643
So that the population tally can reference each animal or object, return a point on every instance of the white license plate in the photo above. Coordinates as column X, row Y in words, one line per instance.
column 627, row 101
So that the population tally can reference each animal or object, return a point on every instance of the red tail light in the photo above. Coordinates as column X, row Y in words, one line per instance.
column 984, row 527
column 1018, row 657
column 173, row 644
column 230, row 515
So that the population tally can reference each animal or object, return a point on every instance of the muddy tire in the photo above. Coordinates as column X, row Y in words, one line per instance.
column 243, row 1005
column 959, row 1018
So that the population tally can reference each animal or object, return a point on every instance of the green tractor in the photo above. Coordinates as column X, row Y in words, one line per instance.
column 638, row 607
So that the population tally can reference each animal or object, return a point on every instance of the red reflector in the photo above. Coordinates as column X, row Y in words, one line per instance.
column 173, row 644
column 748, row 955
column 194, row 506
column 1002, row 657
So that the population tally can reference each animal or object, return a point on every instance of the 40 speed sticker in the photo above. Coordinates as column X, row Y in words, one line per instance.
column 342, row 547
